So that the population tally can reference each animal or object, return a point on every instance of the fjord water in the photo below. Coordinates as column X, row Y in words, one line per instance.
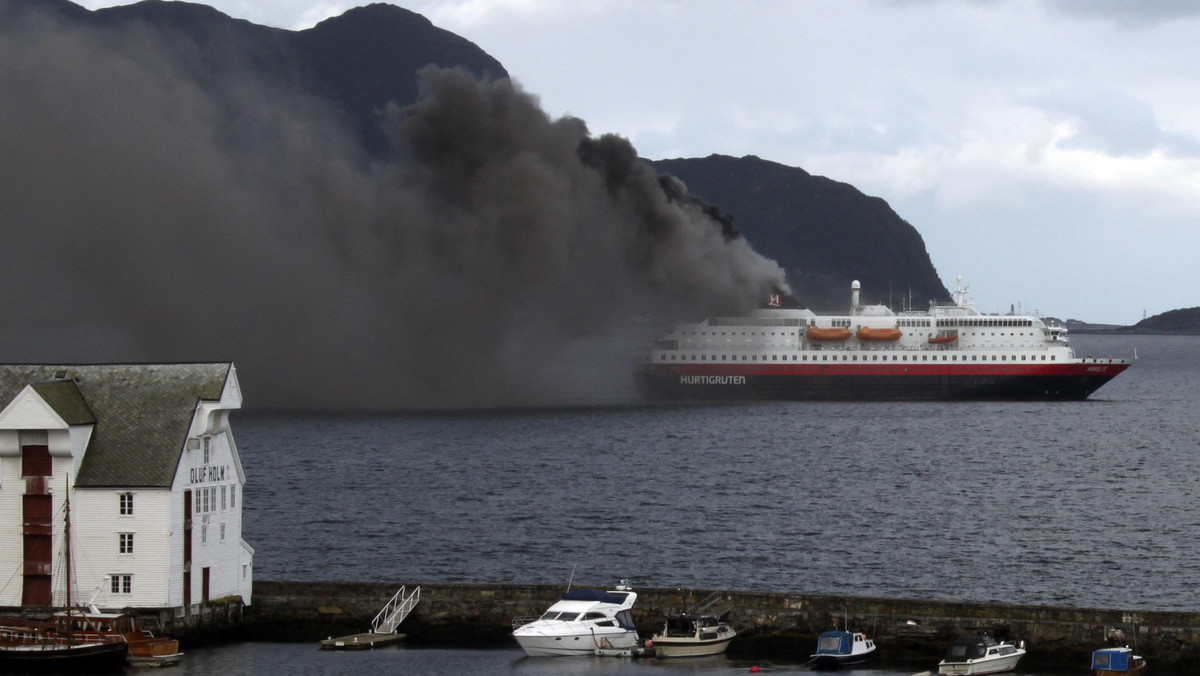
column 1087, row 504
column 1068, row 503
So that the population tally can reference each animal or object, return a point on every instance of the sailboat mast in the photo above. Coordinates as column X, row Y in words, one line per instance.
column 67, row 554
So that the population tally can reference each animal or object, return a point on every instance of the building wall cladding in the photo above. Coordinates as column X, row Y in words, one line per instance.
column 769, row 624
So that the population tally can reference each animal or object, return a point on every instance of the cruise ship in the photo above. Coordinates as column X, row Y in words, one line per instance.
column 950, row 352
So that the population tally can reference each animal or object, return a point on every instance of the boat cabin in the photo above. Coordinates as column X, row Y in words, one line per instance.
column 76, row 620
column 689, row 624
column 842, row 643
column 975, row 647
column 1113, row 659
column 584, row 605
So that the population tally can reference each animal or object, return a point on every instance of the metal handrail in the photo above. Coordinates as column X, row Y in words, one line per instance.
column 395, row 611
column 518, row 622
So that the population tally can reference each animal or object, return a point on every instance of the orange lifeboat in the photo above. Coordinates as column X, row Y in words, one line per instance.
column 943, row 338
column 827, row 334
column 878, row 334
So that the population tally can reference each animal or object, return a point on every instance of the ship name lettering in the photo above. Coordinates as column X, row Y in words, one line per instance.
column 712, row 380
column 1097, row 369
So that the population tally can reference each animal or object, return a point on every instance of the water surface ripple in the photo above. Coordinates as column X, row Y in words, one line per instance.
column 1083, row 503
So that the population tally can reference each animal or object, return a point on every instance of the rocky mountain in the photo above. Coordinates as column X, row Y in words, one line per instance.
column 824, row 233
column 359, row 61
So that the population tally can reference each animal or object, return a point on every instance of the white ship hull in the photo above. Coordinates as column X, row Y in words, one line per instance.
column 536, row 643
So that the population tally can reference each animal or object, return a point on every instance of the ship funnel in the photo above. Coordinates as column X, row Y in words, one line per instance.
column 854, row 287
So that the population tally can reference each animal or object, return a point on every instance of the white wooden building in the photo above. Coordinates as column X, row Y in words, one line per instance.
column 147, row 457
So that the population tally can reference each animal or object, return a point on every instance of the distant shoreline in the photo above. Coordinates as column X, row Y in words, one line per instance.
column 1128, row 331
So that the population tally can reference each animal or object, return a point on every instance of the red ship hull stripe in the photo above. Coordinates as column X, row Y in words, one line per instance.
column 850, row 370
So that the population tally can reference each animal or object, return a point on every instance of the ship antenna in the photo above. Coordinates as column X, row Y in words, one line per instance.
column 572, row 578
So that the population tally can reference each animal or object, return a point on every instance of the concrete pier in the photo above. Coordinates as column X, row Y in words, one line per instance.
column 770, row 625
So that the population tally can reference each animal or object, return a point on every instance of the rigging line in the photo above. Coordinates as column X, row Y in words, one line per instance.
column 16, row 572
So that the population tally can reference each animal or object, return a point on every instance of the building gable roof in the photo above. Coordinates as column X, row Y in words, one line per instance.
column 66, row 400
column 142, row 413
column 28, row 410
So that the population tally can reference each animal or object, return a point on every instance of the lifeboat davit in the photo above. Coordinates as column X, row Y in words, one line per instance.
column 944, row 338
column 878, row 334
column 827, row 334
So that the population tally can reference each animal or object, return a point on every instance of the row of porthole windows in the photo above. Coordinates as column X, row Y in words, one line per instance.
column 854, row 357
column 986, row 322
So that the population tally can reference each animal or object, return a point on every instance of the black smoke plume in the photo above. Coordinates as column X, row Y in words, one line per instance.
column 502, row 258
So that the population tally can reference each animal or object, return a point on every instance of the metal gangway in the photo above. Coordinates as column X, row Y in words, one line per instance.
column 395, row 611
column 715, row 603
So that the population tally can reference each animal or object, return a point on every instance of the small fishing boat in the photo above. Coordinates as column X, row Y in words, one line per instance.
column 980, row 654
column 842, row 648
column 26, row 647
column 692, row 635
column 580, row 623
column 145, row 648
column 1117, row 662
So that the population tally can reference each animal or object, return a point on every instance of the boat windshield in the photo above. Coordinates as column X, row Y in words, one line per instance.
column 969, row 648
column 561, row 617
column 831, row 643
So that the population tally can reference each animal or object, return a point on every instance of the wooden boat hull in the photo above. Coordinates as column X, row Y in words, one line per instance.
column 56, row 657
column 157, row 651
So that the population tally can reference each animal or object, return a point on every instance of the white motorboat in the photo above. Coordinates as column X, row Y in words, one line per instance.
column 580, row 623
column 980, row 654
column 842, row 648
column 692, row 635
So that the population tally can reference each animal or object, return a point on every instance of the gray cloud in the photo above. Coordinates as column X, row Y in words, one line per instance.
column 1127, row 14
column 1115, row 123
column 502, row 260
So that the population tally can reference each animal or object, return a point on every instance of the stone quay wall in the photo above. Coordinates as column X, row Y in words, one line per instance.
column 770, row 625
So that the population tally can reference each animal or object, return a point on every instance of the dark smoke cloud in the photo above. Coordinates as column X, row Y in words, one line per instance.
column 502, row 259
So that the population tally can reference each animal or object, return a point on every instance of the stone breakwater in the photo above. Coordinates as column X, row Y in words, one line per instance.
column 770, row 625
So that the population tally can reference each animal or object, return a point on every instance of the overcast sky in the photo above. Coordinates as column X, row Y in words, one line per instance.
column 1047, row 151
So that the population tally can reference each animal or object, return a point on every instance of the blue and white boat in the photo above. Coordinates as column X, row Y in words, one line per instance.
column 842, row 648
column 1116, row 662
